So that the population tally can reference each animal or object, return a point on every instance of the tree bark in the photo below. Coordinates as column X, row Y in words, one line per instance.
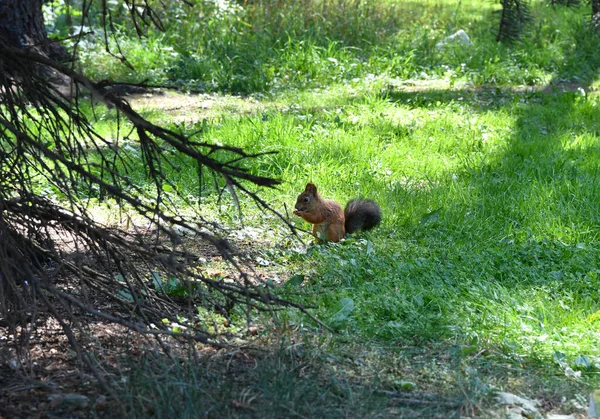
column 596, row 13
column 22, row 26
column 21, row 22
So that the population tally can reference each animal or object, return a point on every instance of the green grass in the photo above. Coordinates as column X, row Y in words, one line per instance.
column 513, row 213
column 485, row 272
column 271, row 45
column 488, row 256
column 293, row 383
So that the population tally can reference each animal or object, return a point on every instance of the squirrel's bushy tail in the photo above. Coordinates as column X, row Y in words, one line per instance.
column 361, row 214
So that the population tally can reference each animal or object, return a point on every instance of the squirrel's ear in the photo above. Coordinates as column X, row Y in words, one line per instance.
column 311, row 189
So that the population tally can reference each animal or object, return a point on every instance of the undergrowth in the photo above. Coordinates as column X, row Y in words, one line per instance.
column 261, row 47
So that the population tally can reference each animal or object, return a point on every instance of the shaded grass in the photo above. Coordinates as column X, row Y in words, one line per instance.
column 241, row 387
column 295, row 380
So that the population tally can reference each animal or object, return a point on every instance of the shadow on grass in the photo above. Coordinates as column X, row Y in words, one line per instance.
column 291, row 381
column 534, row 203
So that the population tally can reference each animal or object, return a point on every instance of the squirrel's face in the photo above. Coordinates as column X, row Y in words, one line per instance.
column 303, row 203
column 306, row 200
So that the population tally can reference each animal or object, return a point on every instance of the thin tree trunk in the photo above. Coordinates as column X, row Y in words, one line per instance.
column 502, row 20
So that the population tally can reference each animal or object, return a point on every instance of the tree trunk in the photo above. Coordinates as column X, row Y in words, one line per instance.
column 22, row 26
column 596, row 13
column 515, row 17
column 21, row 22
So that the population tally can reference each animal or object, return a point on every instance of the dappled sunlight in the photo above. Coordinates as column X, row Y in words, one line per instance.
column 488, row 245
column 188, row 109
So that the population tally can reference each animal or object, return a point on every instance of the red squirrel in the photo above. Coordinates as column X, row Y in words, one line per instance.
column 329, row 221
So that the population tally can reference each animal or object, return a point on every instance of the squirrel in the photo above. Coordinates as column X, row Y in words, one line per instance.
column 329, row 221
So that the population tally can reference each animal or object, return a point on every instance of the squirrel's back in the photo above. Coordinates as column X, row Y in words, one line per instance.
column 361, row 214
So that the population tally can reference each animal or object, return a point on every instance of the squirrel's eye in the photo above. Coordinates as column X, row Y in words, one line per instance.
column 306, row 199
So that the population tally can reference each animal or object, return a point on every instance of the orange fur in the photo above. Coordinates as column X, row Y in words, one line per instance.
column 326, row 216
